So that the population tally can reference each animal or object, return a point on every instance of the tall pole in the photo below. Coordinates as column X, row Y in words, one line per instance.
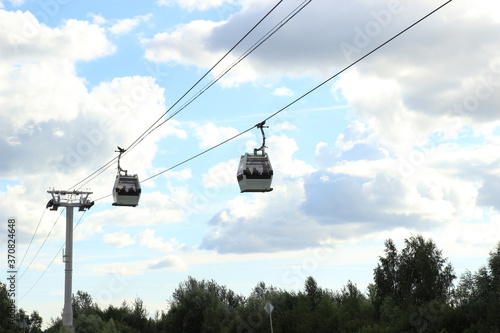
column 68, row 271
column 69, row 199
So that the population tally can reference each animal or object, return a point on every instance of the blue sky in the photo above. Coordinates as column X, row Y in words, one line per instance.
column 403, row 143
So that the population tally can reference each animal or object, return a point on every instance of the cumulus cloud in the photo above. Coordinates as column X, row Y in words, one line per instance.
column 148, row 239
column 154, row 208
column 283, row 91
column 300, row 48
column 421, row 83
column 410, row 91
column 139, row 267
column 266, row 222
column 210, row 134
column 118, row 239
column 182, row 175
column 124, row 26
column 195, row 4
column 488, row 192
column 52, row 117
column 362, row 189
column 25, row 39
column 173, row 262
column 166, row 47
column 220, row 175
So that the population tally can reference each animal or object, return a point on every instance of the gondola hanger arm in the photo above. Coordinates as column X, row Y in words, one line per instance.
column 121, row 151
column 262, row 148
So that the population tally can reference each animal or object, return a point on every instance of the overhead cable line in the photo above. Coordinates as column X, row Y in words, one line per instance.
column 302, row 96
column 52, row 261
column 41, row 246
column 291, row 103
column 264, row 38
column 32, row 238
column 361, row 58
column 145, row 133
column 106, row 166
column 189, row 159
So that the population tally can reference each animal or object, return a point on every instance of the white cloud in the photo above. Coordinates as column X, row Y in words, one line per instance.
column 171, row 261
column 182, row 175
column 283, row 92
column 195, row 4
column 409, row 91
column 316, row 54
column 280, row 151
column 38, row 267
column 16, row 3
column 359, row 197
column 124, row 26
column 118, row 239
column 148, row 239
column 283, row 126
column 25, row 39
column 139, row 267
column 165, row 47
column 154, row 208
column 266, row 222
column 210, row 134
column 90, row 134
column 404, row 92
column 221, row 175
column 97, row 19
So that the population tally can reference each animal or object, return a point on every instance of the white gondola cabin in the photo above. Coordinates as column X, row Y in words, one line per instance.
column 255, row 173
column 127, row 189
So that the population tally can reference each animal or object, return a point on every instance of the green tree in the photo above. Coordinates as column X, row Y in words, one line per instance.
column 82, row 303
column 5, row 308
column 122, row 317
column 417, row 275
column 139, row 315
column 494, row 268
column 110, row 327
column 54, row 326
column 412, row 288
column 477, row 298
column 423, row 274
column 200, row 306
column 35, row 322
column 88, row 323
column 355, row 310
column 313, row 293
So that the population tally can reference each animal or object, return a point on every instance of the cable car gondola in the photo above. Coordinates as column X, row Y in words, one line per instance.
column 127, row 189
column 255, row 173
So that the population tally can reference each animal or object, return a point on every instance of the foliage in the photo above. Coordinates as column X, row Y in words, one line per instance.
column 23, row 323
column 201, row 306
column 412, row 291
column 416, row 276
column 477, row 298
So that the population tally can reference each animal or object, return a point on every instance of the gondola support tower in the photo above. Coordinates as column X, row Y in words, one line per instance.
column 69, row 200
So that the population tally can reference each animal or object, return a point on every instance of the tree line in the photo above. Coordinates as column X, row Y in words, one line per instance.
column 413, row 290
